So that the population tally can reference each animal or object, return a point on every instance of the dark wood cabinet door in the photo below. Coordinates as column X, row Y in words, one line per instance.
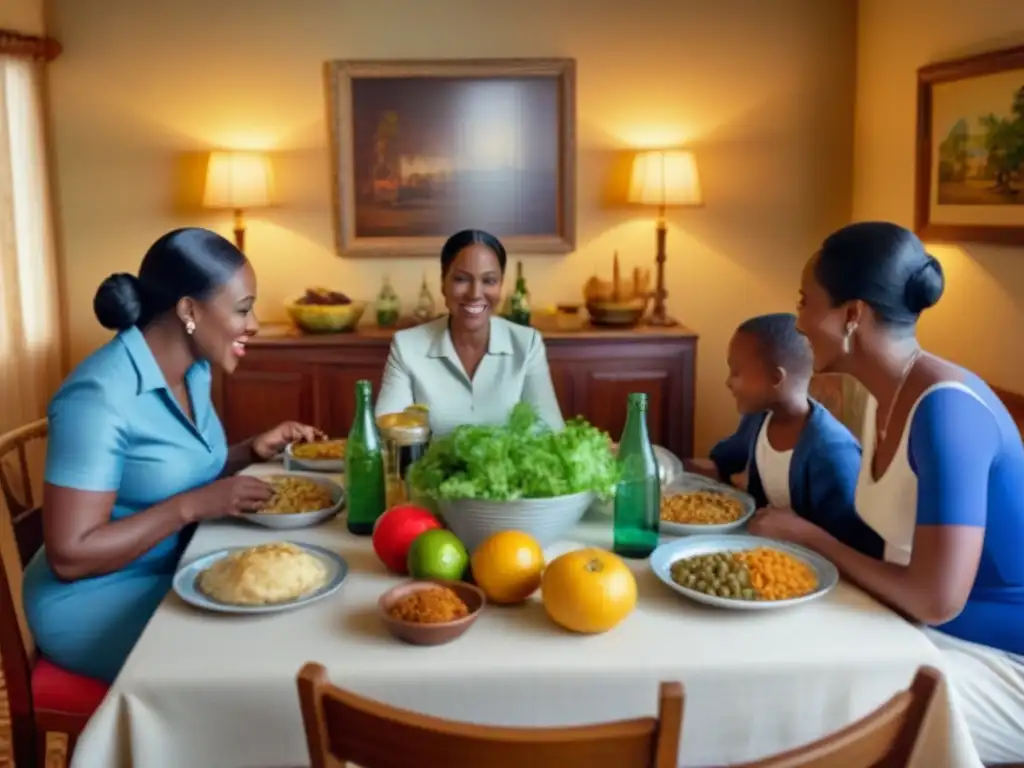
column 562, row 380
column 338, row 394
column 599, row 374
column 260, row 395
column 607, row 392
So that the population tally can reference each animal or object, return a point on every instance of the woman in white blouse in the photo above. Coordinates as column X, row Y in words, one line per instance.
column 469, row 367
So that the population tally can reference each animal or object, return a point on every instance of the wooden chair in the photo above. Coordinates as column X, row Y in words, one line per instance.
column 1014, row 403
column 344, row 728
column 884, row 739
column 43, row 698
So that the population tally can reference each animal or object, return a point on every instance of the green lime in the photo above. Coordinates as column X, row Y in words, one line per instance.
column 437, row 554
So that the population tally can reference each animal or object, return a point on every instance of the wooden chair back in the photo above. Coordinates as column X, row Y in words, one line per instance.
column 884, row 739
column 1014, row 403
column 21, row 536
column 342, row 727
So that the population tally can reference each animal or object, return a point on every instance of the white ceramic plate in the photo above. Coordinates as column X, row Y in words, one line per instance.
column 185, row 582
column 311, row 465
column 662, row 558
column 287, row 522
column 688, row 483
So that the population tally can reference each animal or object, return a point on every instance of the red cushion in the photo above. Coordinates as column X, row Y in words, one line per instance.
column 58, row 690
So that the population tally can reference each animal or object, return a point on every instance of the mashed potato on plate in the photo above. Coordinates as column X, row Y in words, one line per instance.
column 267, row 574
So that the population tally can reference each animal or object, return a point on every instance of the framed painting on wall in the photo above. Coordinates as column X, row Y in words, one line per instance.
column 970, row 149
column 422, row 149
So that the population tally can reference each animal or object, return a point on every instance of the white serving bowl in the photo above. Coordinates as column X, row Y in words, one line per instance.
column 546, row 520
column 290, row 521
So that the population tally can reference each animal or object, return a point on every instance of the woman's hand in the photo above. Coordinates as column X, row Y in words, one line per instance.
column 782, row 524
column 269, row 444
column 228, row 497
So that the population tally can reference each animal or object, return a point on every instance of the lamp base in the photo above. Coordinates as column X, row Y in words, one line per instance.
column 659, row 317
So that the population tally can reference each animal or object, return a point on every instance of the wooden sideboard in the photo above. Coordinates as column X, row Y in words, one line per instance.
column 285, row 375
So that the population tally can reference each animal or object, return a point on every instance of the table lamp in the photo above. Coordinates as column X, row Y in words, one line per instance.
column 664, row 178
column 238, row 180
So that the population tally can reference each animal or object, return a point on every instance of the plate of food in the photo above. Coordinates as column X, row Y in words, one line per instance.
column 300, row 500
column 266, row 578
column 743, row 572
column 319, row 456
column 694, row 504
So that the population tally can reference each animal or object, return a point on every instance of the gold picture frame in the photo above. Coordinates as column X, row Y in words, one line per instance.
column 421, row 149
column 969, row 184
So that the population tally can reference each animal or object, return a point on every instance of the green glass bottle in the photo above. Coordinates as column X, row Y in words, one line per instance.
column 638, row 495
column 519, row 301
column 364, row 466
column 388, row 306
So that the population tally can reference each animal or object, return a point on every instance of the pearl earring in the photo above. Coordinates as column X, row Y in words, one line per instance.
column 848, row 337
column 190, row 326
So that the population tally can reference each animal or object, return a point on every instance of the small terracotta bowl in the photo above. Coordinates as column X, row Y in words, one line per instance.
column 431, row 634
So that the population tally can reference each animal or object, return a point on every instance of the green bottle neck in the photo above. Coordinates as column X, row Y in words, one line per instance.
column 634, row 434
column 364, row 428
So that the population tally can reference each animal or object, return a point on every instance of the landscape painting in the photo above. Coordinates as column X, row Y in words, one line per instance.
column 981, row 158
column 424, row 149
column 971, row 149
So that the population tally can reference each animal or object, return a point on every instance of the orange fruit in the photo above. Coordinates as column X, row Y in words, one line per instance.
column 507, row 566
column 588, row 590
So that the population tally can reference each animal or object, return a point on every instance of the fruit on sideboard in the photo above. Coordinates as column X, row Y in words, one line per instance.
column 507, row 566
column 588, row 590
column 438, row 554
column 395, row 531
column 323, row 297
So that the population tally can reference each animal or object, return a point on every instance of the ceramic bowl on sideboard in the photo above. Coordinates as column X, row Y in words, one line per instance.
column 417, row 633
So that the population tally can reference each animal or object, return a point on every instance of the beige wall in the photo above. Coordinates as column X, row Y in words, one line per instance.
column 25, row 16
column 763, row 90
column 980, row 321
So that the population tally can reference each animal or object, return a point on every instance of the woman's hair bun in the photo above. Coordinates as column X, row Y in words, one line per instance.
column 118, row 302
column 924, row 287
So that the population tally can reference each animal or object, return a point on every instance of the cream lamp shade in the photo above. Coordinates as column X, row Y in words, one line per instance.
column 238, row 180
column 665, row 178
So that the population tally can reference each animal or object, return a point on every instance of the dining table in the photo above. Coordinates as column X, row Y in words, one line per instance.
column 213, row 690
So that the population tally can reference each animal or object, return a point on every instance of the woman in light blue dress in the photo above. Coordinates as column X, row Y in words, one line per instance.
column 136, row 452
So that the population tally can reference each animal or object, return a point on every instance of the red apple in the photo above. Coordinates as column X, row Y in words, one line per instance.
column 394, row 531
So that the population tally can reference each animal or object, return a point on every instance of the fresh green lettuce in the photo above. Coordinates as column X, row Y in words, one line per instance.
column 522, row 459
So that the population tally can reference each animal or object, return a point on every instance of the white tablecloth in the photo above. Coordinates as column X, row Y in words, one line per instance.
column 208, row 690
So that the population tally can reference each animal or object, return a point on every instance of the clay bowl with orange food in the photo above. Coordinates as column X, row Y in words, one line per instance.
column 431, row 611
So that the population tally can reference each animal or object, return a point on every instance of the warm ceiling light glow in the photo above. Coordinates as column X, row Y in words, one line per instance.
column 665, row 178
column 238, row 180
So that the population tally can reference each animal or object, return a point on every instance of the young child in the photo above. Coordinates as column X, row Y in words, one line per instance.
column 796, row 454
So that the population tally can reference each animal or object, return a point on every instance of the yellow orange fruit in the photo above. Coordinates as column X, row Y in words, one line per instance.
column 507, row 566
column 588, row 590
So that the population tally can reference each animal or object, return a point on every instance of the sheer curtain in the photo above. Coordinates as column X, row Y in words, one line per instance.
column 30, row 353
